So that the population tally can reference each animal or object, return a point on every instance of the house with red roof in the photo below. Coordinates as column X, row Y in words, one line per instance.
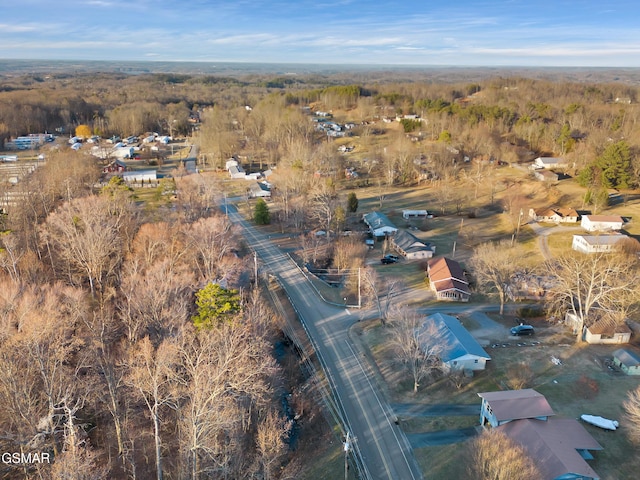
column 448, row 280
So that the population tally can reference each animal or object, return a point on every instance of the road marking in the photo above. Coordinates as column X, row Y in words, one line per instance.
column 347, row 310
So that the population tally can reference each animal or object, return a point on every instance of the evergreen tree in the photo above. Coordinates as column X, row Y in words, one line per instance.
column 352, row 202
column 215, row 303
column 261, row 213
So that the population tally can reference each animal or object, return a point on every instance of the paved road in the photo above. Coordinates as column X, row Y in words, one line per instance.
column 381, row 444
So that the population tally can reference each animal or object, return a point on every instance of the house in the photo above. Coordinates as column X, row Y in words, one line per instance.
column 554, row 215
column 601, row 223
column 411, row 247
column 232, row 162
column 627, row 360
column 506, row 406
column 140, row 176
column 549, row 163
column 607, row 331
column 259, row 190
column 407, row 214
column 236, row 171
column 117, row 166
column 379, row 224
column 546, row 175
column 122, row 152
column 460, row 351
column 599, row 243
column 448, row 280
column 558, row 446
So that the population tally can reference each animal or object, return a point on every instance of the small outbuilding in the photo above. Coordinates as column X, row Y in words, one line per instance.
column 606, row 331
column 627, row 360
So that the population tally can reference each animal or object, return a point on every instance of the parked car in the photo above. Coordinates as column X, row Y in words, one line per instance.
column 522, row 330
column 387, row 259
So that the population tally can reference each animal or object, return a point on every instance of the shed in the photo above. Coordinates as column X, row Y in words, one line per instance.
column 606, row 331
column 627, row 360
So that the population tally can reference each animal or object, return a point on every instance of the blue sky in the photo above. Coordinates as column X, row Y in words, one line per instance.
column 425, row 32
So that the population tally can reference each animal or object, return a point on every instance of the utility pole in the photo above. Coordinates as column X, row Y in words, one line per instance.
column 255, row 267
column 347, row 447
column 359, row 290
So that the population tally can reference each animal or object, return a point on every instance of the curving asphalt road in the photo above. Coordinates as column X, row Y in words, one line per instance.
column 382, row 447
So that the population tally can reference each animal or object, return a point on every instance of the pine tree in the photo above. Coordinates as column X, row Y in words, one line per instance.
column 261, row 213
column 352, row 202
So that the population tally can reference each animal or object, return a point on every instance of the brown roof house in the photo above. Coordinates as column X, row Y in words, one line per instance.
column 554, row 215
column 448, row 280
column 558, row 446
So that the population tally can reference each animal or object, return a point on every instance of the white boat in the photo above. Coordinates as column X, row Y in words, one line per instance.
column 600, row 422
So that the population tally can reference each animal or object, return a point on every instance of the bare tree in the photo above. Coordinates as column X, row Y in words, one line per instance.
column 418, row 344
column 152, row 375
column 86, row 239
column 270, row 439
column 632, row 408
column 212, row 241
column 494, row 264
column 494, row 456
column 588, row 283
column 380, row 293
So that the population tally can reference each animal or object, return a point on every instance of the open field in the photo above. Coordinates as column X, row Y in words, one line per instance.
column 582, row 384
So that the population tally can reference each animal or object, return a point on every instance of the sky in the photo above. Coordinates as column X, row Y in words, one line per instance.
column 581, row 33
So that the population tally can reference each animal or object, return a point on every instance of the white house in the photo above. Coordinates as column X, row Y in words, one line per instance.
column 601, row 223
column 460, row 351
column 140, row 176
column 597, row 243
column 236, row 171
column 549, row 163
column 411, row 247
column 259, row 190
column 379, row 224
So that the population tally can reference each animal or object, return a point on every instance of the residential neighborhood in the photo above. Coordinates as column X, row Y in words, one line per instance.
column 348, row 268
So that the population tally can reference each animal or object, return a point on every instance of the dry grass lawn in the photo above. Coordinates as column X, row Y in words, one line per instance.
column 582, row 384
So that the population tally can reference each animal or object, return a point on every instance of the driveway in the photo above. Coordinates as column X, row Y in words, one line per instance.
column 489, row 330
column 439, row 410
column 445, row 437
